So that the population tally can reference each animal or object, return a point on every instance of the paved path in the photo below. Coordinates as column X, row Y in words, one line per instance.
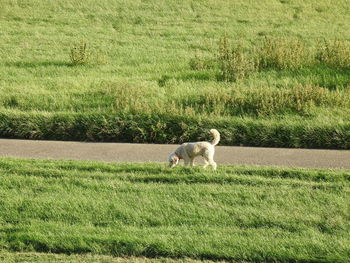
column 127, row 152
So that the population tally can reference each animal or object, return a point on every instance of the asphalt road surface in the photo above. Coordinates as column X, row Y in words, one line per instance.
column 132, row 152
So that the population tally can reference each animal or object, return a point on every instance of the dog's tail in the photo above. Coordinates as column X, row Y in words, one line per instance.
column 216, row 135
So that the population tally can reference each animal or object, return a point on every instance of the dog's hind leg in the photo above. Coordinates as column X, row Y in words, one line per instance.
column 209, row 159
column 205, row 164
column 213, row 164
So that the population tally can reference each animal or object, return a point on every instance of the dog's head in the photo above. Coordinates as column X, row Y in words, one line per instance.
column 173, row 160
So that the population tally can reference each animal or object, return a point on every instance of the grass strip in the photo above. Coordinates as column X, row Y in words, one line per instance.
column 30, row 257
column 165, row 128
column 236, row 213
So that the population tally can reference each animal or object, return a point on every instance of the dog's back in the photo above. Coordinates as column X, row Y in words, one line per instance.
column 197, row 148
column 194, row 149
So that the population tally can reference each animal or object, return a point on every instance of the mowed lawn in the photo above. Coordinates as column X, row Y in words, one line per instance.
column 147, row 210
column 30, row 257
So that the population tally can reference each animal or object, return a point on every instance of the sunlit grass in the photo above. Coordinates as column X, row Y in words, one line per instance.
column 160, row 58
column 235, row 213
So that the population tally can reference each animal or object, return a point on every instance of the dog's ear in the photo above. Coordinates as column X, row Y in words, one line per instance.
column 175, row 159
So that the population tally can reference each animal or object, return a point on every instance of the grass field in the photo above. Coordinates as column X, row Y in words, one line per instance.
column 151, row 71
column 29, row 257
column 237, row 213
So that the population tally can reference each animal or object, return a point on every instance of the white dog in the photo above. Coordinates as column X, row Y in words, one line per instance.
column 189, row 150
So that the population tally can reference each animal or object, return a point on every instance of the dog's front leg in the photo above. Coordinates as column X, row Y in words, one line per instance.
column 186, row 158
column 192, row 162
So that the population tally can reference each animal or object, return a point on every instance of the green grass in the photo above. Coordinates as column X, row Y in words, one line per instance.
column 237, row 213
column 29, row 257
column 142, row 60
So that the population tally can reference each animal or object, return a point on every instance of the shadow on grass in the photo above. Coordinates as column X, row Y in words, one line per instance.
column 186, row 76
column 317, row 74
column 320, row 75
column 25, row 64
column 331, row 78
column 195, row 75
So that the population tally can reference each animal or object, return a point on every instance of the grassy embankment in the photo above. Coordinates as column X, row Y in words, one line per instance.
column 152, row 72
column 236, row 213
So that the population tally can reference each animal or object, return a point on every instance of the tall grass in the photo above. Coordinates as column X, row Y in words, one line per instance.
column 234, row 63
column 302, row 116
column 282, row 53
column 300, row 99
column 335, row 53
column 79, row 54
column 236, row 213
column 326, row 132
